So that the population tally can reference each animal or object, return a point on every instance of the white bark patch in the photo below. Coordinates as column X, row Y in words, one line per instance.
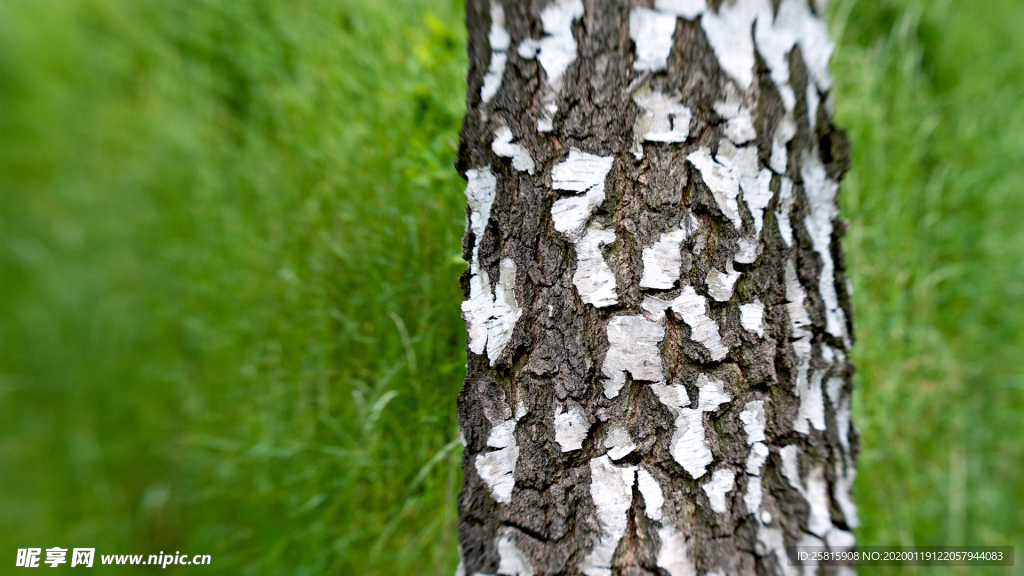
column 812, row 36
column 712, row 393
column 740, row 130
column 784, row 132
column 492, row 79
column 814, row 489
column 571, row 427
column 840, row 540
column 504, row 147
column 739, row 123
column 480, row 190
column 795, row 295
column 775, row 38
column 546, row 120
column 722, row 482
column 688, row 446
column 594, row 279
column 724, row 185
column 556, row 51
column 753, row 421
column 656, row 307
column 827, row 353
column 490, row 317
column 662, row 261
column 511, row 560
column 752, row 499
column 633, row 348
column 752, row 317
column 841, row 402
column 756, row 459
column 652, row 32
column 502, row 434
column 812, row 403
column 757, row 194
column 813, row 101
column 821, row 192
column 654, row 499
column 497, row 470
column 729, row 33
column 692, row 308
column 618, row 442
column 843, row 418
column 581, row 172
column 662, row 118
column 819, row 521
column 477, row 310
column 747, row 252
column 674, row 396
column 794, row 24
column 504, row 313
column 497, row 36
column 499, row 41
column 802, row 350
column 841, row 492
column 688, row 9
column 730, row 171
column 782, row 214
column 672, row 556
column 665, row 118
column 460, row 570
column 770, row 541
column 611, row 488
column 755, row 182
column 791, row 466
column 720, row 284
column 584, row 174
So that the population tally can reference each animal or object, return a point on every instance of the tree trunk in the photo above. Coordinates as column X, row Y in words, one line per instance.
column 657, row 308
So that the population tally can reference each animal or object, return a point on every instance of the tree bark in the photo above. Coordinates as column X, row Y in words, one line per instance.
column 658, row 313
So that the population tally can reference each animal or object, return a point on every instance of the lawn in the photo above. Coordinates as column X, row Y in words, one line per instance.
column 230, row 237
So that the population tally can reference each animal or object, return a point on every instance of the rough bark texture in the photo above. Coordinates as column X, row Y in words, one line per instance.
column 657, row 308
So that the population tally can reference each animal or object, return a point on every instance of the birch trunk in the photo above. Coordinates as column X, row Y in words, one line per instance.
column 657, row 308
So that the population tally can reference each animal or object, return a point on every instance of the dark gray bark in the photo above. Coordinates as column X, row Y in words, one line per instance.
column 643, row 358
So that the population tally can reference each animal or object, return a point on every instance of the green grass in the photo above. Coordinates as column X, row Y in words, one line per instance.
column 933, row 97
column 229, row 239
column 229, row 310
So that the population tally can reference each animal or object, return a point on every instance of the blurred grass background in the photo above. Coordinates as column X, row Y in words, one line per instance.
column 229, row 243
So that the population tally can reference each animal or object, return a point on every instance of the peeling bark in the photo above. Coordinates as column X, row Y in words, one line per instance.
column 656, row 301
